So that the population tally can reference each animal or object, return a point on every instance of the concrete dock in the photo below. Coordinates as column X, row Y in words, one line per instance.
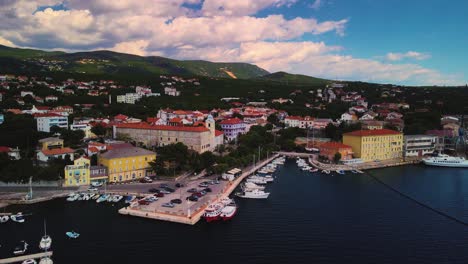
column 192, row 212
column 26, row 257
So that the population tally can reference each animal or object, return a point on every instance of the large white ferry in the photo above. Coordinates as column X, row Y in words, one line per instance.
column 443, row 160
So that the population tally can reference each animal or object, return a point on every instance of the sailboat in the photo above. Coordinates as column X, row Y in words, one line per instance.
column 46, row 240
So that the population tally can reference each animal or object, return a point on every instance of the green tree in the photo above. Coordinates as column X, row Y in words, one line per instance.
column 99, row 130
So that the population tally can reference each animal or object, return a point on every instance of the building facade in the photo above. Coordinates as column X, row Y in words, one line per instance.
column 50, row 143
column 46, row 121
column 419, row 145
column 78, row 173
column 329, row 149
column 232, row 128
column 299, row 121
column 372, row 145
column 127, row 164
column 197, row 138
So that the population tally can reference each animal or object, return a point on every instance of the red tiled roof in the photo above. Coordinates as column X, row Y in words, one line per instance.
column 163, row 127
column 52, row 152
column 218, row 133
column 175, row 120
column 295, row 117
column 93, row 149
column 4, row 149
column 42, row 107
column 376, row 132
column 335, row 145
column 47, row 115
column 96, row 144
column 120, row 116
column 231, row 121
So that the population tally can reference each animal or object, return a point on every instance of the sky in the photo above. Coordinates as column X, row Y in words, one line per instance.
column 417, row 42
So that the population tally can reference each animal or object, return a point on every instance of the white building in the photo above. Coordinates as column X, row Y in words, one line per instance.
column 46, row 121
column 299, row 121
column 171, row 91
column 24, row 93
column 418, row 145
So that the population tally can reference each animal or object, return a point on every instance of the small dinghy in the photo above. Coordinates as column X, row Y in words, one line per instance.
column 29, row 261
column 18, row 218
column 46, row 260
column 342, row 172
column 72, row 234
column 4, row 219
column 21, row 248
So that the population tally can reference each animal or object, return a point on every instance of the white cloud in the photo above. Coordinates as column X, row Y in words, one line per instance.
column 240, row 7
column 407, row 55
column 222, row 30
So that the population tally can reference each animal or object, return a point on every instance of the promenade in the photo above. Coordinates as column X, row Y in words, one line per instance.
column 192, row 212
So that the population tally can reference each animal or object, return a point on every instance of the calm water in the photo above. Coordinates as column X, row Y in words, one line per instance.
column 307, row 219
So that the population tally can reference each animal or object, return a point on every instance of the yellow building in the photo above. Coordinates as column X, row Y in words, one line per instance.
column 127, row 164
column 51, row 143
column 379, row 144
column 78, row 173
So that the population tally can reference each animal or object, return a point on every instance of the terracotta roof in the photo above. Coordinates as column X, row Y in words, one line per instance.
column 218, row 133
column 48, row 115
column 93, row 149
column 126, row 152
column 163, row 127
column 175, row 120
column 4, row 149
column 376, row 132
column 336, row 145
column 52, row 152
column 94, row 143
column 120, row 116
column 231, row 121
column 295, row 117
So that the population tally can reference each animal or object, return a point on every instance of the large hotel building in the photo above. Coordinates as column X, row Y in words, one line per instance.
column 378, row 144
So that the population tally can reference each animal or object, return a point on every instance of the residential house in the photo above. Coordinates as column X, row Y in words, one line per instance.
column 46, row 155
column 232, row 128
column 418, row 145
column 46, row 121
column 13, row 153
column 329, row 149
column 78, row 173
column 50, row 143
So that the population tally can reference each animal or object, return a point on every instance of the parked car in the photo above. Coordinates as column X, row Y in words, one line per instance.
column 92, row 189
column 197, row 194
column 153, row 190
column 176, row 201
column 143, row 202
column 164, row 191
column 211, row 182
column 163, row 185
column 170, row 205
column 169, row 189
column 216, row 181
column 192, row 198
column 203, row 185
column 159, row 194
column 203, row 193
column 178, row 185
column 146, row 180
column 207, row 190
column 192, row 190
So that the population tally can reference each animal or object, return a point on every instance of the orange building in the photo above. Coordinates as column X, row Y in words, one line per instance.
column 329, row 149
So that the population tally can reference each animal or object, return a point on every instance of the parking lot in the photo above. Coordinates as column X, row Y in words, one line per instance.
column 186, row 208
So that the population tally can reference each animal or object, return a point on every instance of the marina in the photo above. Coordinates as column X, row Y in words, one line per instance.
column 357, row 214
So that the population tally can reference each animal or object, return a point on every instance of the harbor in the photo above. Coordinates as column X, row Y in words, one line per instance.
column 307, row 217
column 191, row 212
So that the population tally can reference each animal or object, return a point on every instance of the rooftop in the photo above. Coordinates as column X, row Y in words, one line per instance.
column 376, row 132
column 335, row 145
column 50, row 139
column 126, row 152
column 231, row 121
column 52, row 152
column 163, row 127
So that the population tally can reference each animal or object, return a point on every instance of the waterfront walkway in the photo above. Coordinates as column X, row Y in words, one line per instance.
column 25, row 257
column 363, row 166
column 193, row 216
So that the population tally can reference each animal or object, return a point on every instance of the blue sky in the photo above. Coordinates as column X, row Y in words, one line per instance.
column 405, row 42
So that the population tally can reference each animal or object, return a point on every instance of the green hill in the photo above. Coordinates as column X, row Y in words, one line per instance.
column 297, row 79
column 108, row 62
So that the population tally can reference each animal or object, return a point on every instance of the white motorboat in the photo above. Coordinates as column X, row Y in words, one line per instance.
column 96, row 184
column 102, row 198
column 254, row 194
column 117, row 198
column 251, row 186
column 342, row 172
column 73, row 197
column 4, row 219
column 326, row 171
column 21, row 248
column 18, row 218
column 130, row 199
column 91, row 195
column 29, row 261
column 110, row 198
column 46, row 260
column 228, row 211
column 443, row 160
column 314, row 170
column 46, row 240
column 256, row 180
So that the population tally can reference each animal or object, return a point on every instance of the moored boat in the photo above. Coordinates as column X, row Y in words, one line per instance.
column 46, row 260
column 21, row 248
column 228, row 211
column 18, row 218
column 326, row 171
column 443, row 160
column 253, row 194
column 29, row 261
column 4, row 219
column 117, row 198
column 46, row 240
column 72, row 234
column 342, row 172
column 213, row 212
column 102, row 198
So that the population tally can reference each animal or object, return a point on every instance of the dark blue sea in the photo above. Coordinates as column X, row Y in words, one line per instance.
column 308, row 218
